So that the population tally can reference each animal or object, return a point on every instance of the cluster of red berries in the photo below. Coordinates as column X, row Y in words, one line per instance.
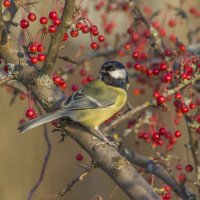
column 59, row 81
column 36, row 48
column 24, row 23
column 157, row 138
column 156, row 24
column 92, row 30
column 85, row 78
column 188, row 167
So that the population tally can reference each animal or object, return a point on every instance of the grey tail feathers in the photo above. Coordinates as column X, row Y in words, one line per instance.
column 39, row 121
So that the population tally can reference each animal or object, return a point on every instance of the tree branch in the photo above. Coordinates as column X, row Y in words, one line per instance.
column 152, row 167
column 66, row 21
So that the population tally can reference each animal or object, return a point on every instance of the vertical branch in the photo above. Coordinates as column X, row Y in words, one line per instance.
column 66, row 21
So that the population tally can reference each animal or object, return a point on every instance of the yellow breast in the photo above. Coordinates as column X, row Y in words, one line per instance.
column 94, row 117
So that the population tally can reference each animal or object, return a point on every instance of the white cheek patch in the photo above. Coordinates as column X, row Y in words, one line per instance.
column 118, row 74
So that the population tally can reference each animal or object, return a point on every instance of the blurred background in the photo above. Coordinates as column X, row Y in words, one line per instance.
column 22, row 155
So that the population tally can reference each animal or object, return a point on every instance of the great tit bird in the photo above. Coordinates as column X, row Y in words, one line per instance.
column 94, row 103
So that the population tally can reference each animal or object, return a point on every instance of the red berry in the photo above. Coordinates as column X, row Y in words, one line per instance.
column 182, row 178
column 179, row 167
column 94, row 45
column 198, row 118
column 135, row 37
column 161, row 99
column 31, row 17
column 182, row 48
column 79, row 25
column 53, row 15
column 63, row 84
column 65, row 37
column 156, row 71
column 101, row 38
column 137, row 66
column 167, row 78
column 163, row 66
column 156, row 94
column 24, row 23
column 156, row 24
column 160, row 142
column 43, row 20
column 177, row 134
column 74, row 87
column 192, row 105
column 155, row 136
column 34, row 60
column 30, row 113
column 149, row 72
column 166, row 196
column 184, row 109
column 79, row 157
column 184, row 76
column 33, row 48
column 95, row 33
column 188, row 168
column 40, row 48
column 162, row 131
column 85, row 29
column 41, row 57
column 74, row 33
column 6, row 3
column 56, row 79
column 6, row 69
column 52, row 29
column 22, row 96
column 178, row 96
column 167, row 188
column 172, row 23
column 93, row 28
column 135, row 55
column 57, row 22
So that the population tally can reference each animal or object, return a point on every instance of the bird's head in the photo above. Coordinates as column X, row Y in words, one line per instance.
column 114, row 73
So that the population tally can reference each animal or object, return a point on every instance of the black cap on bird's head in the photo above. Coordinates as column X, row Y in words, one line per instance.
column 114, row 73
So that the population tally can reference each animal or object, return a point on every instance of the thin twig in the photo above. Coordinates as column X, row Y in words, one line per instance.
column 65, row 58
column 147, row 104
column 45, row 162
column 79, row 178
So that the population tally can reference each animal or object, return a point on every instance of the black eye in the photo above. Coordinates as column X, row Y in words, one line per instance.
column 111, row 68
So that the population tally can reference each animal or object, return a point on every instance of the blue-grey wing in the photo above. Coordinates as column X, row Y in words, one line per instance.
column 83, row 99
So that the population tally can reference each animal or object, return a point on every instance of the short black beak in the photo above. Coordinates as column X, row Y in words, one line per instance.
column 103, row 71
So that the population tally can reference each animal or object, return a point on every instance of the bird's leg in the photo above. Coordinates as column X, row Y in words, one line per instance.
column 105, row 139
